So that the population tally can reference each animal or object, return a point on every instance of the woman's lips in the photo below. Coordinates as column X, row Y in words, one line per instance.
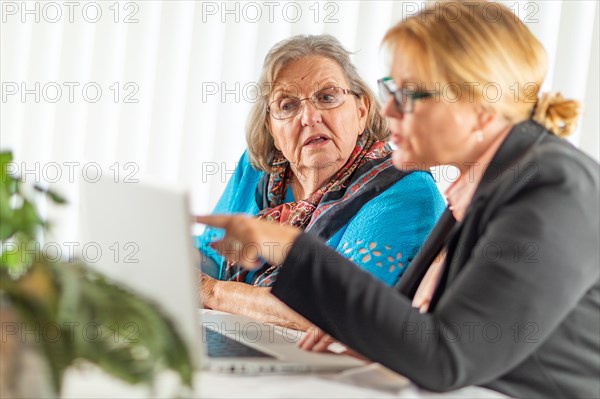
column 398, row 140
column 316, row 141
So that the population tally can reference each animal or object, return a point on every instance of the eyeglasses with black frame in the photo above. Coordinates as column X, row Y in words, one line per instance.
column 327, row 98
column 403, row 98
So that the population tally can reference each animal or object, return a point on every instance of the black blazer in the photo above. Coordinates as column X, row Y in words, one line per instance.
column 517, row 307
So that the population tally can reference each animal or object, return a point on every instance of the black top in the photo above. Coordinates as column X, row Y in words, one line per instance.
column 517, row 307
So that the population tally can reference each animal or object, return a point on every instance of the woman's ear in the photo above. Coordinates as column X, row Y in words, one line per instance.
column 363, row 112
column 485, row 117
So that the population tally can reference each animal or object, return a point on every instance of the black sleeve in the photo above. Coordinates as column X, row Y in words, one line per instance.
column 475, row 334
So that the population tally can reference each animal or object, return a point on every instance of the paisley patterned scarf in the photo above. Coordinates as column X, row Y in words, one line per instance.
column 299, row 213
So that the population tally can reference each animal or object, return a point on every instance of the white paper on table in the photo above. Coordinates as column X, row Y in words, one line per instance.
column 374, row 376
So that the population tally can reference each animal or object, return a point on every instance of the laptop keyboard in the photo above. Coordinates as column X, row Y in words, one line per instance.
column 220, row 345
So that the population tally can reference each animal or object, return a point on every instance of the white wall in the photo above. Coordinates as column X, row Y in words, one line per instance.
column 174, row 79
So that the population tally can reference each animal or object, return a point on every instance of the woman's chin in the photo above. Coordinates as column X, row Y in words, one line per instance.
column 399, row 159
column 321, row 161
column 403, row 159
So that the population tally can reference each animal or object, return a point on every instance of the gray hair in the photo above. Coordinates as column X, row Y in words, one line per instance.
column 261, row 147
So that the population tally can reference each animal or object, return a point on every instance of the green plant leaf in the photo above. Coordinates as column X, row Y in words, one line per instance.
column 6, row 157
column 53, row 195
column 137, row 339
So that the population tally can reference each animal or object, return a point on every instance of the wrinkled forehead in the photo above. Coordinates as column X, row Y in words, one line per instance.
column 303, row 77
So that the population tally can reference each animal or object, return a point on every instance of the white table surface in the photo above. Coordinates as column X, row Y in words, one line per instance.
column 371, row 381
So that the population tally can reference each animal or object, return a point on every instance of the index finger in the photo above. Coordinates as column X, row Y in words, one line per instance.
column 221, row 221
column 311, row 338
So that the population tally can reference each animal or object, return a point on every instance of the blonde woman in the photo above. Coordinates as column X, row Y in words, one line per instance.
column 505, row 292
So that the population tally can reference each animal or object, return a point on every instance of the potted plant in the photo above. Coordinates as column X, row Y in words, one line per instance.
column 56, row 308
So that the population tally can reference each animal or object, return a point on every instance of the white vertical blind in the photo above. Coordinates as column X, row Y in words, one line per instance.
column 174, row 80
column 572, row 78
column 590, row 126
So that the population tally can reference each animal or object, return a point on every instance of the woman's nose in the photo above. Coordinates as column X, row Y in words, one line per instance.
column 310, row 114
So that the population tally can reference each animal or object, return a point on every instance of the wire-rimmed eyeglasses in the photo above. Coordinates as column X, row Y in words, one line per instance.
column 327, row 98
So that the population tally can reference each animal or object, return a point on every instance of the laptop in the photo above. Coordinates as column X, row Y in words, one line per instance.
column 140, row 235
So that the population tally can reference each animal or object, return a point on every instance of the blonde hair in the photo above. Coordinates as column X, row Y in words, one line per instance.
column 471, row 47
column 261, row 147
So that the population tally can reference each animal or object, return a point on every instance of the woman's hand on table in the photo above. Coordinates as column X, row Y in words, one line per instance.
column 317, row 340
column 206, row 293
column 248, row 241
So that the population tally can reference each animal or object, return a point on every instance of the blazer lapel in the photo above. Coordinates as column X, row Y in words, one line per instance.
column 463, row 237
column 448, row 271
column 411, row 279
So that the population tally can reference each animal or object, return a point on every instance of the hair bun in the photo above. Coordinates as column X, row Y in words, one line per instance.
column 556, row 113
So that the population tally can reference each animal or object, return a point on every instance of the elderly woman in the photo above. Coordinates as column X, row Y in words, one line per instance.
column 317, row 160
column 505, row 291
